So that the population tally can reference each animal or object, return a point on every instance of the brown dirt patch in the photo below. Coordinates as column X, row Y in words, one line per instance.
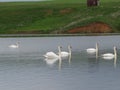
column 96, row 27
column 48, row 12
column 66, row 11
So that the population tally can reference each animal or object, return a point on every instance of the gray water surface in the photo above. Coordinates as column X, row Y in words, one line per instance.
column 26, row 68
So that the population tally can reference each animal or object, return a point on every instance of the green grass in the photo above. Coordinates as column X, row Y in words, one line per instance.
column 47, row 17
column 82, row 1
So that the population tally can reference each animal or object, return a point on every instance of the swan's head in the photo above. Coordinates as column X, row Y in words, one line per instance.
column 59, row 47
column 97, row 44
column 114, row 48
column 115, row 52
column 69, row 47
column 18, row 43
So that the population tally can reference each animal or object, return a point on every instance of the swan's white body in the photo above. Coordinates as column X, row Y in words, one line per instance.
column 14, row 45
column 110, row 55
column 52, row 55
column 64, row 53
column 93, row 50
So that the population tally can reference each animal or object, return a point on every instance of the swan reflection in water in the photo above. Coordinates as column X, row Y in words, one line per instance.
column 51, row 57
column 114, row 61
column 62, row 60
column 93, row 64
column 106, row 56
column 93, row 50
column 111, row 56
column 65, row 56
column 50, row 61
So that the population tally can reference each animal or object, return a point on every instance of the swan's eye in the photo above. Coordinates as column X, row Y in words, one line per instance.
column 70, row 46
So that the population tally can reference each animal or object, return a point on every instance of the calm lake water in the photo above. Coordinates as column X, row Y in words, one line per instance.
column 26, row 68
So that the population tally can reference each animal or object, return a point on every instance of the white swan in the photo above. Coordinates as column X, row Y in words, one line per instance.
column 65, row 54
column 110, row 55
column 14, row 45
column 93, row 50
column 52, row 55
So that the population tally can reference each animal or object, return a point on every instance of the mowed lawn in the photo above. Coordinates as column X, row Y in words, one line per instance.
column 49, row 16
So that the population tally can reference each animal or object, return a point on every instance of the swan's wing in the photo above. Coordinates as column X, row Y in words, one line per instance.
column 50, row 55
column 63, row 53
column 91, row 50
column 108, row 55
column 12, row 46
column 107, row 58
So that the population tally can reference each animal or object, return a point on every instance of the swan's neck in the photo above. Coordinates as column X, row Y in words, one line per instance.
column 59, row 50
column 96, row 47
column 115, row 52
column 69, row 49
column 96, row 50
column 17, row 44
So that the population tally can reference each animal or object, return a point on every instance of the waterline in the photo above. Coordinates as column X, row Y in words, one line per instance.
column 57, row 35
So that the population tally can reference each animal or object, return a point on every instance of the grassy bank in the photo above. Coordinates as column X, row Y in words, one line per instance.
column 48, row 17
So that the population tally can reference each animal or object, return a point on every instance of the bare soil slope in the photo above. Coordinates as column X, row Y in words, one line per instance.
column 96, row 27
